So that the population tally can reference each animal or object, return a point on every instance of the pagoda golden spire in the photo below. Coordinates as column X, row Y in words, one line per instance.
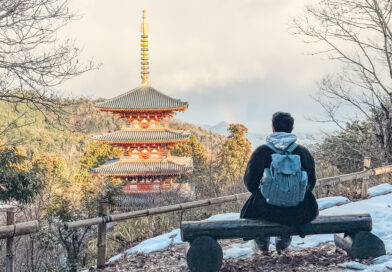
column 144, row 51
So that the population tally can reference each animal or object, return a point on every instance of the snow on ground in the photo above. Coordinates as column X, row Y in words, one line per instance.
column 381, row 189
column 153, row 244
column 239, row 250
column 378, row 206
column 328, row 202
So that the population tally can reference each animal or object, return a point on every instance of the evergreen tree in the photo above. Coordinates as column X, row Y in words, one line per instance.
column 198, row 152
column 18, row 180
column 233, row 158
column 96, row 155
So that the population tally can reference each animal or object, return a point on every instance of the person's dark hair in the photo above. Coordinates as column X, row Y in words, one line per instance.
column 282, row 122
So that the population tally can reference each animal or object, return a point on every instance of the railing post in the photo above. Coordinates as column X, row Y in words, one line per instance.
column 101, row 245
column 9, row 266
column 365, row 181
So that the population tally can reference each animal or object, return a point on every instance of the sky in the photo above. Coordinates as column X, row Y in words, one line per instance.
column 233, row 61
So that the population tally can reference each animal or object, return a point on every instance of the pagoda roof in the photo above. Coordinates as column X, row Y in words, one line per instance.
column 128, row 168
column 142, row 98
column 143, row 136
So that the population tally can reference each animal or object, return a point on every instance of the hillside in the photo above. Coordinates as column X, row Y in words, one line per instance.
column 71, row 136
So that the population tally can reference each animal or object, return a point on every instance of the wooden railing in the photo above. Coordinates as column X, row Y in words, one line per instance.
column 12, row 229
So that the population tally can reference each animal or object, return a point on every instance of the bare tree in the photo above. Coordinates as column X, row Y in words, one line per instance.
column 33, row 60
column 358, row 34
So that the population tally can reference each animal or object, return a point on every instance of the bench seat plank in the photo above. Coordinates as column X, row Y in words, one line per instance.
column 250, row 229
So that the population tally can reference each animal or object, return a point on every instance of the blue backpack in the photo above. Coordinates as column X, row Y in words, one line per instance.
column 284, row 183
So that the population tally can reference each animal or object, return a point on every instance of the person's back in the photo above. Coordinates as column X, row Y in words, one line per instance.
column 257, row 206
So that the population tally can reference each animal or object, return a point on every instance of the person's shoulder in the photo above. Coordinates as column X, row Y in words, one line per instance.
column 304, row 150
column 262, row 149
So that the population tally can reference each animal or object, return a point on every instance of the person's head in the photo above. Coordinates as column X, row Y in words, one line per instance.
column 282, row 122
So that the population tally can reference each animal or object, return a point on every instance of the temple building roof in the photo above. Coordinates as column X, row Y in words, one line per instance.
column 128, row 168
column 143, row 136
column 142, row 98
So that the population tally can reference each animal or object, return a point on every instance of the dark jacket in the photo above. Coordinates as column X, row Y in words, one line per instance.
column 256, row 206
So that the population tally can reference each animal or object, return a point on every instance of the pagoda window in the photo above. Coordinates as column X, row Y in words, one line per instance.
column 135, row 151
column 155, row 154
column 142, row 181
column 144, row 123
column 133, row 181
column 157, row 181
column 144, row 151
column 148, row 180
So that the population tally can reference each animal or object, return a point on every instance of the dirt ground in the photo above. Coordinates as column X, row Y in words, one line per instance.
column 325, row 257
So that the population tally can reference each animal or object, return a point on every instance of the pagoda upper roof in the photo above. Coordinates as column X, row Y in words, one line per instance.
column 128, row 168
column 142, row 98
column 143, row 136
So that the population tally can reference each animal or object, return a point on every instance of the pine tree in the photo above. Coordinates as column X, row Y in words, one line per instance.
column 232, row 158
column 19, row 181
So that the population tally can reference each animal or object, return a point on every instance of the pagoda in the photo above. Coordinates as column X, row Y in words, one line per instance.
column 146, row 165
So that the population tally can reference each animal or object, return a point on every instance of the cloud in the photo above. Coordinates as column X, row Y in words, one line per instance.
column 209, row 50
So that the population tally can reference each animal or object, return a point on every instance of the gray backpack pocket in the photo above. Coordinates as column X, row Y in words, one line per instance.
column 283, row 189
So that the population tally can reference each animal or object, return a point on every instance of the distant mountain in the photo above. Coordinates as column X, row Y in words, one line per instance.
column 220, row 128
column 257, row 139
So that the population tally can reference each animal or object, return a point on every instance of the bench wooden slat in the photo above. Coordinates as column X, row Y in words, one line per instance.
column 246, row 228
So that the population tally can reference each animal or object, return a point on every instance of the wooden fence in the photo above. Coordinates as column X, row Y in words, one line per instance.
column 12, row 229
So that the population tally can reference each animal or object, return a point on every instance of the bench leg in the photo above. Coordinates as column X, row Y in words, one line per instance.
column 204, row 255
column 263, row 243
column 361, row 245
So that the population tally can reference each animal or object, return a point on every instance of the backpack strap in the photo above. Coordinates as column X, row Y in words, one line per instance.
column 291, row 148
column 288, row 149
column 271, row 146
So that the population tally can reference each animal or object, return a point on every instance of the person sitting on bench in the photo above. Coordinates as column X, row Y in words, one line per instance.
column 281, row 176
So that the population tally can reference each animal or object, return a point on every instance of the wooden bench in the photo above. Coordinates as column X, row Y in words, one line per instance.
column 352, row 234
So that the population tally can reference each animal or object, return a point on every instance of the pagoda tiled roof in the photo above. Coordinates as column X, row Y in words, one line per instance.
column 143, row 136
column 142, row 97
column 128, row 167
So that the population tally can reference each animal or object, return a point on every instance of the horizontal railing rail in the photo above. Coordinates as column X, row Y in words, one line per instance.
column 217, row 200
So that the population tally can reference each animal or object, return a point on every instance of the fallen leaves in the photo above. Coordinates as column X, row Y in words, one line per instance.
column 325, row 257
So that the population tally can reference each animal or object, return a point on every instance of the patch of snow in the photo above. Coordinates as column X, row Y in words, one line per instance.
column 381, row 259
column 309, row 241
column 353, row 265
column 328, row 202
column 224, row 216
column 239, row 250
column 115, row 258
column 157, row 243
column 381, row 212
column 379, row 208
column 381, row 189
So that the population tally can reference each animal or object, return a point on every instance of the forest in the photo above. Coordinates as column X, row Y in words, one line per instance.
column 46, row 146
